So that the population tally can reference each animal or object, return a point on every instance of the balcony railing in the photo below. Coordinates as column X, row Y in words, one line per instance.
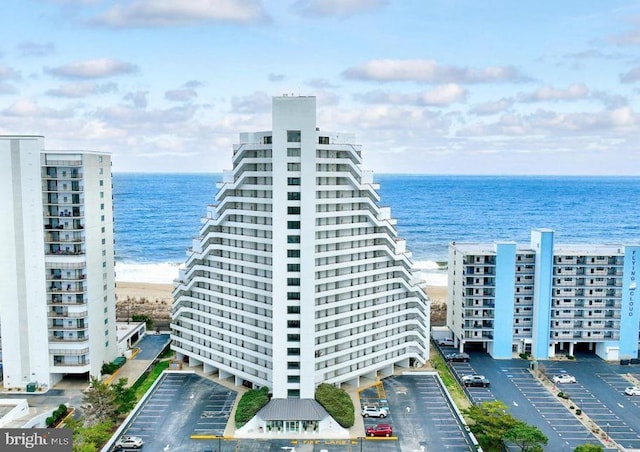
column 68, row 339
column 57, row 314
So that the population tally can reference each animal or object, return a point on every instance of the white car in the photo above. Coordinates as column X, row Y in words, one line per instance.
column 446, row 342
column 372, row 411
column 563, row 378
column 129, row 442
column 633, row 390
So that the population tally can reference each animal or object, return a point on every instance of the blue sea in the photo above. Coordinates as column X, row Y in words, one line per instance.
column 157, row 215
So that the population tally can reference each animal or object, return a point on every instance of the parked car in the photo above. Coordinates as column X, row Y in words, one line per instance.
column 373, row 411
column 447, row 341
column 380, row 430
column 633, row 390
column 457, row 357
column 476, row 380
column 563, row 378
column 129, row 442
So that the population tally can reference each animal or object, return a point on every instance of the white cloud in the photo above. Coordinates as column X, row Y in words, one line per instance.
column 258, row 102
column 98, row 68
column 30, row 109
column 385, row 118
column 549, row 93
column 7, row 72
column 491, row 107
column 37, row 49
column 320, row 83
column 429, row 71
column 181, row 95
column 6, row 88
column 138, row 98
column 340, row 8
column 168, row 13
column 631, row 37
column 631, row 76
column 83, row 89
column 276, row 77
column 621, row 120
column 440, row 96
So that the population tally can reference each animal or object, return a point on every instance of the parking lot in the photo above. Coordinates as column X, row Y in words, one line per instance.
column 526, row 398
column 181, row 405
column 599, row 392
column 420, row 413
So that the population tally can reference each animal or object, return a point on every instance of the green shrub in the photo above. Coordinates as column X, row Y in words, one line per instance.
column 578, row 411
column 251, row 402
column 525, row 355
column 337, row 403
column 561, row 394
column 571, row 357
column 49, row 421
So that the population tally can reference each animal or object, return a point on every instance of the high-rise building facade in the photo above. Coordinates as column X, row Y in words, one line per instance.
column 298, row 276
column 57, row 314
column 544, row 298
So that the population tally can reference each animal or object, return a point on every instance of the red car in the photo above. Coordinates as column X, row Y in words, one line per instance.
column 380, row 430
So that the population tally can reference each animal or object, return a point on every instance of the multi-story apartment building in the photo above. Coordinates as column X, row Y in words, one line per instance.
column 57, row 314
column 298, row 276
column 545, row 299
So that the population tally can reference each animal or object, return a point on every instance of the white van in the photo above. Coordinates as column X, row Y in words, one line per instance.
column 446, row 342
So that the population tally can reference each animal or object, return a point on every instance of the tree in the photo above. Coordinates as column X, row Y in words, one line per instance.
column 103, row 402
column 125, row 397
column 99, row 403
column 528, row 437
column 337, row 403
column 588, row 448
column 89, row 439
column 490, row 422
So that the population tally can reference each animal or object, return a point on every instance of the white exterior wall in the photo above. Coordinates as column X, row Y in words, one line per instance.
column 23, row 314
column 360, row 310
column 87, row 281
column 56, row 263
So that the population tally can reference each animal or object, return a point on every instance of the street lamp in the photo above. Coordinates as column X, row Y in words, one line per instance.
column 219, row 438
column 360, row 438
column 608, row 425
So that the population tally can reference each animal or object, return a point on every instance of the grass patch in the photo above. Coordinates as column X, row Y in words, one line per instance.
column 450, row 382
column 144, row 383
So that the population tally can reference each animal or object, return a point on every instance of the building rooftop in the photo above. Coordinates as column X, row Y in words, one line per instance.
column 293, row 410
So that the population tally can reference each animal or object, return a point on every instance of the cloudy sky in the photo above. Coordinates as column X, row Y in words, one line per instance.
column 428, row 86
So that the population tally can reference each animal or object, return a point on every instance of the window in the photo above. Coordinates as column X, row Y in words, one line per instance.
column 293, row 378
column 293, row 281
column 293, row 210
column 293, row 167
column 293, row 309
column 293, row 152
column 293, row 181
column 293, row 393
column 293, row 196
column 293, row 239
column 293, row 267
column 293, row 351
column 293, row 323
column 293, row 225
column 102, row 206
column 293, row 136
column 266, row 140
column 293, row 337
column 101, row 182
column 293, row 253
column 323, row 140
column 293, row 296
column 293, row 365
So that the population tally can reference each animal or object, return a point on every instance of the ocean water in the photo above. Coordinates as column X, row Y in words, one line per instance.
column 157, row 215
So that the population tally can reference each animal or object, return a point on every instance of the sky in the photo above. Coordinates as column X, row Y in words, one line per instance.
column 497, row 87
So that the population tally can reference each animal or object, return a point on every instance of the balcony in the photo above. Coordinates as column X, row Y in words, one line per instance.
column 69, row 339
column 57, row 314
